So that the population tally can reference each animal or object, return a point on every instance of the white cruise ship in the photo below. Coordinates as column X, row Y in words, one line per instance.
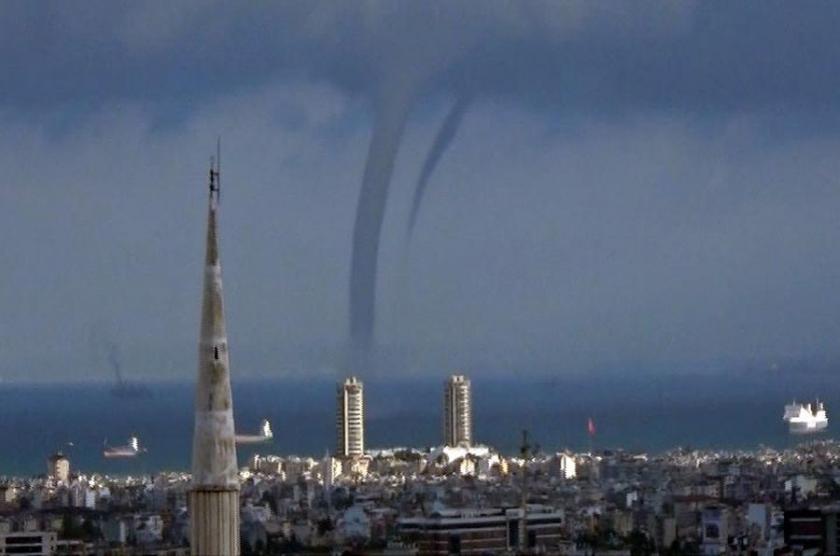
column 806, row 418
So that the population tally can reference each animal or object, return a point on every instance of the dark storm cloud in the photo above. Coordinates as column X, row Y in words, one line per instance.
column 613, row 152
column 608, row 57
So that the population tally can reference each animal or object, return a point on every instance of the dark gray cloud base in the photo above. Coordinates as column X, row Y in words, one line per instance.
column 568, row 55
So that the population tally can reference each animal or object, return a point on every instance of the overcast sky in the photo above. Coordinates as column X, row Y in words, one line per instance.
column 648, row 186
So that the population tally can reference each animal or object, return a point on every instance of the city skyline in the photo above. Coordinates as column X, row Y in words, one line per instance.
column 681, row 175
column 501, row 277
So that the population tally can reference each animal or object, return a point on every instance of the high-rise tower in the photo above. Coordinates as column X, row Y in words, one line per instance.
column 214, row 496
column 58, row 467
column 457, row 411
column 350, row 418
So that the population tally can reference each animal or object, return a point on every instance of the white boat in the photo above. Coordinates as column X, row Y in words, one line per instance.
column 805, row 418
column 132, row 449
column 265, row 435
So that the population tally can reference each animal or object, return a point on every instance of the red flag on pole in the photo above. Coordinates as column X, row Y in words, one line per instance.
column 590, row 427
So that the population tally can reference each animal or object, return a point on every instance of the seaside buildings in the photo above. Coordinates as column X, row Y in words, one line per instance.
column 447, row 500
column 214, row 496
column 457, row 412
column 350, row 419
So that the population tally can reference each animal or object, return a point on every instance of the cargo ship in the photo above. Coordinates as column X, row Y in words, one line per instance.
column 265, row 435
column 132, row 449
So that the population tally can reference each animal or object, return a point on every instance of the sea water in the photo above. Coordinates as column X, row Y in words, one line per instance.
column 644, row 412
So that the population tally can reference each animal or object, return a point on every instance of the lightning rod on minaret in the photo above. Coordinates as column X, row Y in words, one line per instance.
column 216, row 172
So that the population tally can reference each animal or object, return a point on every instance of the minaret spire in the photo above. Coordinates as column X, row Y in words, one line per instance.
column 214, row 498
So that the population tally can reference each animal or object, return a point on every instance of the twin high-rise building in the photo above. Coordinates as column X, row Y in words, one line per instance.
column 457, row 412
column 350, row 419
column 350, row 415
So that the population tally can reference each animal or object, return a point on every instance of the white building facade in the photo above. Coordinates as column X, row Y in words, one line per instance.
column 457, row 411
column 350, row 419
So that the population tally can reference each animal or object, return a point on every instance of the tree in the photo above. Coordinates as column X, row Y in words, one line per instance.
column 69, row 528
column 90, row 531
column 270, row 500
column 325, row 525
column 639, row 543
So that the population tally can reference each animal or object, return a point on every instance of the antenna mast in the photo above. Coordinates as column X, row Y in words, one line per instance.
column 526, row 451
column 216, row 172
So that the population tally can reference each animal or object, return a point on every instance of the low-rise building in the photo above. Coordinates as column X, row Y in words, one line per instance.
column 481, row 531
column 31, row 543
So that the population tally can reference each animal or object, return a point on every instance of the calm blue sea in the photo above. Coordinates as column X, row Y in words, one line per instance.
column 651, row 413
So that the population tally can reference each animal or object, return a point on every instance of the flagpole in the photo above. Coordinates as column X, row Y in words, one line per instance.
column 590, row 430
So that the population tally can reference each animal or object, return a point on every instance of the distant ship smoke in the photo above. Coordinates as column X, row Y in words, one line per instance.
column 103, row 345
column 384, row 144
column 445, row 135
